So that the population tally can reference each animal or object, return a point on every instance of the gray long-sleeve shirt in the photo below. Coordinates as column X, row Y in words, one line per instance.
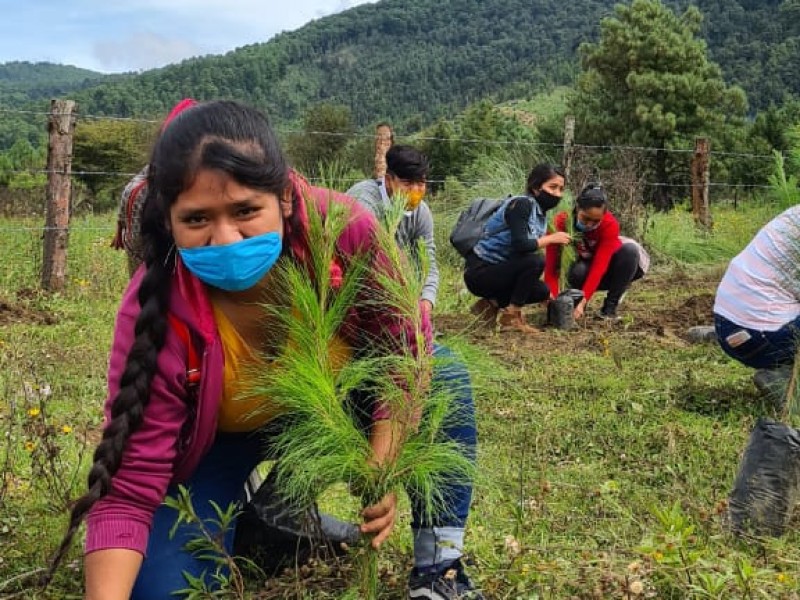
column 415, row 225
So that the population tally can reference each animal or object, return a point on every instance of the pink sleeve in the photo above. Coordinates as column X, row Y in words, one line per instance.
column 122, row 519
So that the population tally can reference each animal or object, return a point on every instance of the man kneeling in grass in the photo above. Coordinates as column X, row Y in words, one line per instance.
column 757, row 306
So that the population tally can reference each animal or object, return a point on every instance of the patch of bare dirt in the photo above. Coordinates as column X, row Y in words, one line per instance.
column 679, row 303
column 675, row 317
column 591, row 335
column 15, row 313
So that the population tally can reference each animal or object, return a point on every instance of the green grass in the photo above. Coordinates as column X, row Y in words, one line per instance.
column 674, row 237
column 542, row 106
column 606, row 454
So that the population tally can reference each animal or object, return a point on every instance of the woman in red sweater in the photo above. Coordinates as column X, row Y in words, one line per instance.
column 605, row 261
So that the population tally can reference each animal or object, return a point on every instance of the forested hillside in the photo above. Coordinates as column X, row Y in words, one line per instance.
column 757, row 44
column 414, row 60
column 394, row 59
column 26, row 85
column 21, row 82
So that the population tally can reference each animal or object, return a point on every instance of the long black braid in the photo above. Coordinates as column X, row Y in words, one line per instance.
column 127, row 409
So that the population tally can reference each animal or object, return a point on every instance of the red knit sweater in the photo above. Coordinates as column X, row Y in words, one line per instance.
column 597, row 246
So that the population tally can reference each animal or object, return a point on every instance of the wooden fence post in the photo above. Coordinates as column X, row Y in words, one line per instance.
column 384, row 137
column 61, row 126
column 701, row 210
column 569, row 138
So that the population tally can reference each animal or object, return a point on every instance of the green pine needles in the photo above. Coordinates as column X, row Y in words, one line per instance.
column 323, row 441
column 568, row 253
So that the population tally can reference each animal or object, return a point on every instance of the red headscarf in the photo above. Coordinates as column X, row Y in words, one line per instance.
column 178, row 109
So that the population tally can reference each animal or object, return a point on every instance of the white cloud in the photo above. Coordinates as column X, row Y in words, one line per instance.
column 245, row 14
column 142, row 34
column 142, row 50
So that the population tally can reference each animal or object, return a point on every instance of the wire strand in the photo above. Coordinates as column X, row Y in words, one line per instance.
column 469, row 182
column 402, row 136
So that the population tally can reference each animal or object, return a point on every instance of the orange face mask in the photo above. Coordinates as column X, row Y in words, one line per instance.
column 413, row 198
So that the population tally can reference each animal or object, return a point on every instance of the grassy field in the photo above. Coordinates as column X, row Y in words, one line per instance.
column 606, row 457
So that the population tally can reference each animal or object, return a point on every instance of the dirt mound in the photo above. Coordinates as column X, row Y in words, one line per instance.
column 675, row 319
column 506, row 346
column 592, row 335
column 698, row 309
column 640, row 323
column 11, row 313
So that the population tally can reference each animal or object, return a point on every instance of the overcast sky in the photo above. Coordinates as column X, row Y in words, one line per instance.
column 130, row 35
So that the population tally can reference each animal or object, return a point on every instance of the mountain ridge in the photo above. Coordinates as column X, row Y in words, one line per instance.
column 412, row 61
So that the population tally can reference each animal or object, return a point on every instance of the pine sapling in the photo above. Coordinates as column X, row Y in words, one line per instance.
column 568, row 253
column 322, row 442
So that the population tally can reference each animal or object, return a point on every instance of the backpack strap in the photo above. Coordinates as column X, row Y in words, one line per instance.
column 193, row 360
column 129, row 217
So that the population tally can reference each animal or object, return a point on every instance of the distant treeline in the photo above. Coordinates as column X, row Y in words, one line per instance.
column 463, row 80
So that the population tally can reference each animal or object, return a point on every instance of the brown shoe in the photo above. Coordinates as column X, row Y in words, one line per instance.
column 486, row 312
column 512, row 319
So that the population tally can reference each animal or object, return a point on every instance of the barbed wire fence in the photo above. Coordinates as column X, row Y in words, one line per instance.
column 557, row 147
column 621, row 169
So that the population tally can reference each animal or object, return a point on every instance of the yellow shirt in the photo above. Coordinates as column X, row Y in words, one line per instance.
column 240, row 411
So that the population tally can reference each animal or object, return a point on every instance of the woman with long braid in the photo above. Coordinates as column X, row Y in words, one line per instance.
column 222, row 208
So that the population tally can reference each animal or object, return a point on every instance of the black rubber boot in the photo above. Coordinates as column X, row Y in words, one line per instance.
column 610, row 304
column 772, row 384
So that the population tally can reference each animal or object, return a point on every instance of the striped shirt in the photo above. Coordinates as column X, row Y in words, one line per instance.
column 761, row 287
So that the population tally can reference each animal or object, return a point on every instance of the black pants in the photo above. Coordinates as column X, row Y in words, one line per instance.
column 623, row 269
column 516, row 281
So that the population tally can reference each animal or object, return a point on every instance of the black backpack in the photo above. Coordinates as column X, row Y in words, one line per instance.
column 469, row 228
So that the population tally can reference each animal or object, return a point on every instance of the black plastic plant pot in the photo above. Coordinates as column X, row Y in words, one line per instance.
column 575, row 295
column 559, row 311
column 767, row 485
column 276, row 535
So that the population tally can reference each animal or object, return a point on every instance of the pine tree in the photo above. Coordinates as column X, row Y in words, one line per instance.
column 648, row 82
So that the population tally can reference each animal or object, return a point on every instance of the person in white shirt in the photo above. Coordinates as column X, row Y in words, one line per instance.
column 757, row 305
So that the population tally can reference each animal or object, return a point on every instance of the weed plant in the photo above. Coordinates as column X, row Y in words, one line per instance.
column 784, row 186
column 226, row 581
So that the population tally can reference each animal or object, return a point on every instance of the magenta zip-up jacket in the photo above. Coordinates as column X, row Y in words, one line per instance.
column 174, row 435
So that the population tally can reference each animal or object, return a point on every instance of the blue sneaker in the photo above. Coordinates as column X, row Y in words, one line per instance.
column 450, row 583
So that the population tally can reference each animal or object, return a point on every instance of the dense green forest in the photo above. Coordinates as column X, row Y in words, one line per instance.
column 651, row 74
column 21, row 81
column 413, row 61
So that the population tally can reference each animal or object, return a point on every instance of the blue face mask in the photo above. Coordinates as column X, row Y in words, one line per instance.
column 237, row 266
column 583, row 228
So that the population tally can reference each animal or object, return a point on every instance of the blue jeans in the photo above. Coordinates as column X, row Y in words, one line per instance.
column 763, row 349
column 451, row 374
column 220, row 478
column 221, row 475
